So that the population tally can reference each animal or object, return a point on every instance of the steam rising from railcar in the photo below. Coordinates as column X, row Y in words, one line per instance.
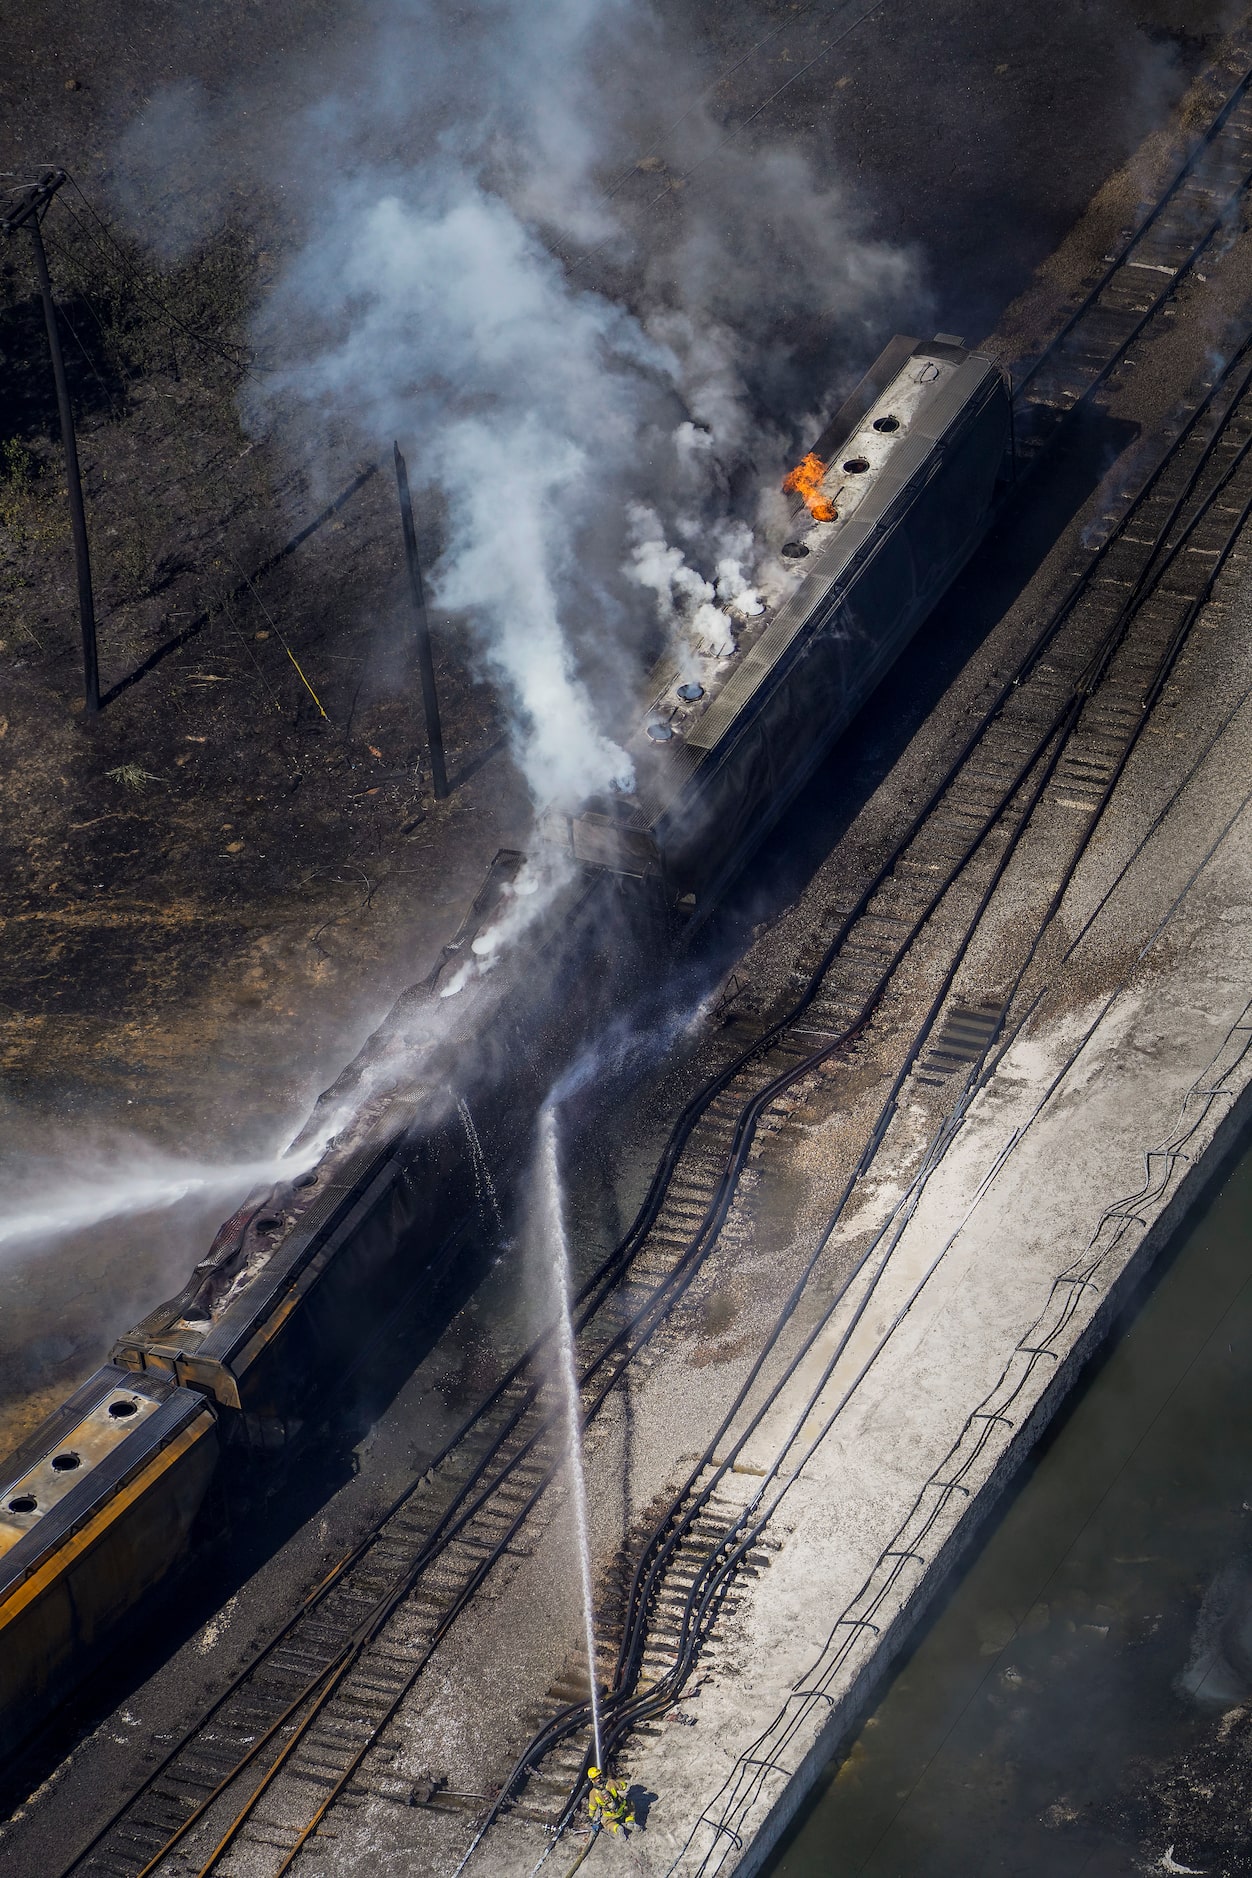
column 600, row 402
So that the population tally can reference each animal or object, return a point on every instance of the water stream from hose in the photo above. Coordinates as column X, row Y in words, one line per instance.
column 555, row 1244
column 119, row 1178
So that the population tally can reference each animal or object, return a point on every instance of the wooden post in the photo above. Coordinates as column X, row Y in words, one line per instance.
column 425, row 660
column 30, row 212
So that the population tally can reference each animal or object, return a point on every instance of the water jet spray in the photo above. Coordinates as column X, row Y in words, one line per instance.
column 554, row 1242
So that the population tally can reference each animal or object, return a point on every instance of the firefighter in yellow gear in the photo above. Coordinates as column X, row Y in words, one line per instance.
column 607, row 1803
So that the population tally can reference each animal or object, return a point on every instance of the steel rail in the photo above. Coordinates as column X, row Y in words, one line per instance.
column 1154, row 567
column 948, row 1476
column 716, row 1574
column 670, row 1533
column 979, row 1073
column 1186, row 169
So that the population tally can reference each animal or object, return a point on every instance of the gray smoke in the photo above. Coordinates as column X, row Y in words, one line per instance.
column 444, row 321
column 172, row 180
column 604, row 457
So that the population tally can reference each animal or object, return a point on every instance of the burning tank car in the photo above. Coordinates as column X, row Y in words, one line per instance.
column 898, row 491
column 890, row 503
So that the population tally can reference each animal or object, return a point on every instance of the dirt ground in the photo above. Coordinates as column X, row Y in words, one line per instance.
column 214, row 888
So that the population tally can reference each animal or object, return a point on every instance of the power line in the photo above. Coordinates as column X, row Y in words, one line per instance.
column 236, row 359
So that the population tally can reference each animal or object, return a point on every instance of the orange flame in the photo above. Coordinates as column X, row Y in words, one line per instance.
column 806, row 480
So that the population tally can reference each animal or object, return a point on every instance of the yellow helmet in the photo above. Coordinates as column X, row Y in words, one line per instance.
column 593, row 1773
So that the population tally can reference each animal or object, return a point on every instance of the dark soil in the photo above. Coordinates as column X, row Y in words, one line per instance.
column 213, row 888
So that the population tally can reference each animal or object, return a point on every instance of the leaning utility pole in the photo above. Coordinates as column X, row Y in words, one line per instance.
column 425, row 660
column 28, row 214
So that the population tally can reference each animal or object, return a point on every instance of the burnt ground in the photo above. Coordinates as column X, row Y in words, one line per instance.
column 211, row 890
column 191, row 951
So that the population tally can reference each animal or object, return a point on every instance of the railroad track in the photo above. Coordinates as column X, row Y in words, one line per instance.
column 303, row 1724
column 1052, row 753
column 1138, row 277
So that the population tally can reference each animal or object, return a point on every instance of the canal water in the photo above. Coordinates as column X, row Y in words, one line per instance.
column 1082, row 1705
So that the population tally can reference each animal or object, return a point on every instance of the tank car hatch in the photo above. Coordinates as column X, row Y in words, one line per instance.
column 885, row 511
column 95, row 1507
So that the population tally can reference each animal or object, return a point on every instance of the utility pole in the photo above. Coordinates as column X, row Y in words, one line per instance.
column 28, row 214
column 425, row 661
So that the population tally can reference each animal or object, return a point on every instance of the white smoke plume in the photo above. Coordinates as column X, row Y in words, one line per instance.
column 699, row 614
column 430, row 300
column 447, row 322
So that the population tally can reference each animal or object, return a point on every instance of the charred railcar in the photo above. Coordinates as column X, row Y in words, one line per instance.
column 295, row 1286
column 298, row 1282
